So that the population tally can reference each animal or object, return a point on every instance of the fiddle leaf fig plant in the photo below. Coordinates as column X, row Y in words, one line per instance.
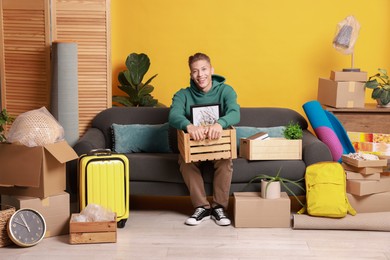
column 380, row 85
column 138, row 93
column 282, row 181
column 5, row 119
column 293, row 131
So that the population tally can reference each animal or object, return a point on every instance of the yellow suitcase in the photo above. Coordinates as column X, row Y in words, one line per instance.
column 104, row 180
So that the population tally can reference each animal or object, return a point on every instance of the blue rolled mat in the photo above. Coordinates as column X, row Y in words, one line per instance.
column 328, row 129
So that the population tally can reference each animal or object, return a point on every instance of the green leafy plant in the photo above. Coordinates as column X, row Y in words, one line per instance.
column 293, row 131
column 138, row 93
column 5, row 118
column 380, row 85
column 283, row 182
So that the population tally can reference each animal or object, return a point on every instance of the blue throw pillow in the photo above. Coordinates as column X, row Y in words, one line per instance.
column 137, row 138
column 246, row 131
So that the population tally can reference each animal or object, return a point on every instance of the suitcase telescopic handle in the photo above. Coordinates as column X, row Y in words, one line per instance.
column 100, row 151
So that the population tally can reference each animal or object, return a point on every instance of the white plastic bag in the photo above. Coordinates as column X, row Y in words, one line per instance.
column 35, row 128
column 346, row 35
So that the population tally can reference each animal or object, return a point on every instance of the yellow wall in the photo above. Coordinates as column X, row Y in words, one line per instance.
column 271, row 52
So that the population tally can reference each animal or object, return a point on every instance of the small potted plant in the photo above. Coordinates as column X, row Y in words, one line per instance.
column 293, row 131
column 380, row 85
column 4, row 119
column 268, row 181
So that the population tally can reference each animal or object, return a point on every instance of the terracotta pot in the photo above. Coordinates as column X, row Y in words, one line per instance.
column 273, row 190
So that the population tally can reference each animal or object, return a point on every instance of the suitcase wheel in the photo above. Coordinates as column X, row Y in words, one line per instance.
column 121, row 223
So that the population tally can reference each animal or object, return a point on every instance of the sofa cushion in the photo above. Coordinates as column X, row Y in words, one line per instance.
column 136, row 138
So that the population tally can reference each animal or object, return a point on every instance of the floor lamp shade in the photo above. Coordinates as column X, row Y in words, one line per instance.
column 64, row 93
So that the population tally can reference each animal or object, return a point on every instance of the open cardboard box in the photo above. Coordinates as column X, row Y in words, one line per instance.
column 34, row 171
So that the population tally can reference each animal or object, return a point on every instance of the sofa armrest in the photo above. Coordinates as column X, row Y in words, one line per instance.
column 92, row 139
column 313, row 150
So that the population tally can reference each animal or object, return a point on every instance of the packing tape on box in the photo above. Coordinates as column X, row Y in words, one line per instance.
column 328, row 129
column 375, row 221
column 351, row 86
column 350, row 103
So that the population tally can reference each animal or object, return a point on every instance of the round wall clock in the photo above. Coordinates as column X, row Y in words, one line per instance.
column 26, row 227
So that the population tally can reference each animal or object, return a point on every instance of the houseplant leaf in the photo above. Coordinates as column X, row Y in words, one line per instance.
column 137, row 65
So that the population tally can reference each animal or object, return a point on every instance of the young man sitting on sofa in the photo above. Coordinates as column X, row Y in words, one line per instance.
column 206, row 88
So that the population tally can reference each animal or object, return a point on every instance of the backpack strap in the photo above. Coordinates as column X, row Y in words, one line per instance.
column 302, row 210
column 351, row 210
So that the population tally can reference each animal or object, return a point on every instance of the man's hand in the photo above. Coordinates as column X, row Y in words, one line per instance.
column 197, row 133
column 214, row 131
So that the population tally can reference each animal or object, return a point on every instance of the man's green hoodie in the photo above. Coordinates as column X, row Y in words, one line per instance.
column 180, row 112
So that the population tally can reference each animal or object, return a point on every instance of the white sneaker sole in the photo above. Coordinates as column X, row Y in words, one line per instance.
column 194, row 222
column 222, row 222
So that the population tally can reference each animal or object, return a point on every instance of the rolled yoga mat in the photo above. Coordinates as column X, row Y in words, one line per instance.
column 64, row 93
column 328, row 129
column 375, row 221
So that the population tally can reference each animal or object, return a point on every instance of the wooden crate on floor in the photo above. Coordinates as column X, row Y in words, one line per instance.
column 223, row 148
column 92, row 232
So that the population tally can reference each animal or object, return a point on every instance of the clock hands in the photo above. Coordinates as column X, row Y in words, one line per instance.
column 24, row 221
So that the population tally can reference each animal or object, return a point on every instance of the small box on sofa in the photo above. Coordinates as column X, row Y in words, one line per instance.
column 271, row 149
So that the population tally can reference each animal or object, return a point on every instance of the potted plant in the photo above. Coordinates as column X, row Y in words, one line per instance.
column 138, row 93
column 4, row 119
column 380, row 85
column 293, row 131
column 268, row 180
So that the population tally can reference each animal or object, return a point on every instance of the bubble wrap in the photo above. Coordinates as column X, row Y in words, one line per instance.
column 35, row 128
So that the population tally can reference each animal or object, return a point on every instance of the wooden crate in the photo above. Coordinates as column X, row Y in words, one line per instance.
column 271, row 149
column 364, row 163
column 92, row 232
column 207, row 150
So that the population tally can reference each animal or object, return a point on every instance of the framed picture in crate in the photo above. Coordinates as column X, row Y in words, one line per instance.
column 206, row 114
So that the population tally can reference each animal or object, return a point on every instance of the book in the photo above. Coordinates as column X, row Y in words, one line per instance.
column 259, row 136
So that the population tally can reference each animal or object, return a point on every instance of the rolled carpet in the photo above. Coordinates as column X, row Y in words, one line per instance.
column 374, row 221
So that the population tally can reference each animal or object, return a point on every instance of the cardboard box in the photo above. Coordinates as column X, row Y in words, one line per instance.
column 378, row 202
column 361, row 188
column 359, row 176
column 341, row 94
column 364, row 163
column 250, row 210
column 207, row 150
column 55, row 209
column 92, row 232
column 348, row 76
column 34, row 171
column 271, row 149
column 362, row 170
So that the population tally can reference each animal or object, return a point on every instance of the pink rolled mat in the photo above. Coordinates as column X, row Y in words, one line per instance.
column 376, row 221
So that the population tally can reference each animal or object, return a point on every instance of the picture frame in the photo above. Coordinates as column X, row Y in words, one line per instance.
column 205, row 114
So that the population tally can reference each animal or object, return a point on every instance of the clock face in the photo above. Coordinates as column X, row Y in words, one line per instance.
column 26, row 227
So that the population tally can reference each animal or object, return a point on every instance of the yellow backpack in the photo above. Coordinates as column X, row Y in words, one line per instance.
column 326, row 194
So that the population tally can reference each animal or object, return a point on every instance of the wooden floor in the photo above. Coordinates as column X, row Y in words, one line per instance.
column 161, row 234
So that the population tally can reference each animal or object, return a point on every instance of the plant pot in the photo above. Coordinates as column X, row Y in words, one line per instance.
column 273, row 190
column 378, row 101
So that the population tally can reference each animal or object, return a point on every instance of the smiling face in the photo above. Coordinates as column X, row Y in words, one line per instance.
column 201, row 72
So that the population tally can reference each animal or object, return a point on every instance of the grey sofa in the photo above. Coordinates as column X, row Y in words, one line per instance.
column 158, row 174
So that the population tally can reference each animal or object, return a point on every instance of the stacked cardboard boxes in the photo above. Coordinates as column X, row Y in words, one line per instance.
column 368, row 184
column 343, row 89
column 35, row 177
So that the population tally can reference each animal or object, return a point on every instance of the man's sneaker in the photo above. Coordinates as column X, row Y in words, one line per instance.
column 219, row 216
column 199, row 215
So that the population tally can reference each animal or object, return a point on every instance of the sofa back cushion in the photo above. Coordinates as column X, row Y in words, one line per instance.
column 254, row 116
